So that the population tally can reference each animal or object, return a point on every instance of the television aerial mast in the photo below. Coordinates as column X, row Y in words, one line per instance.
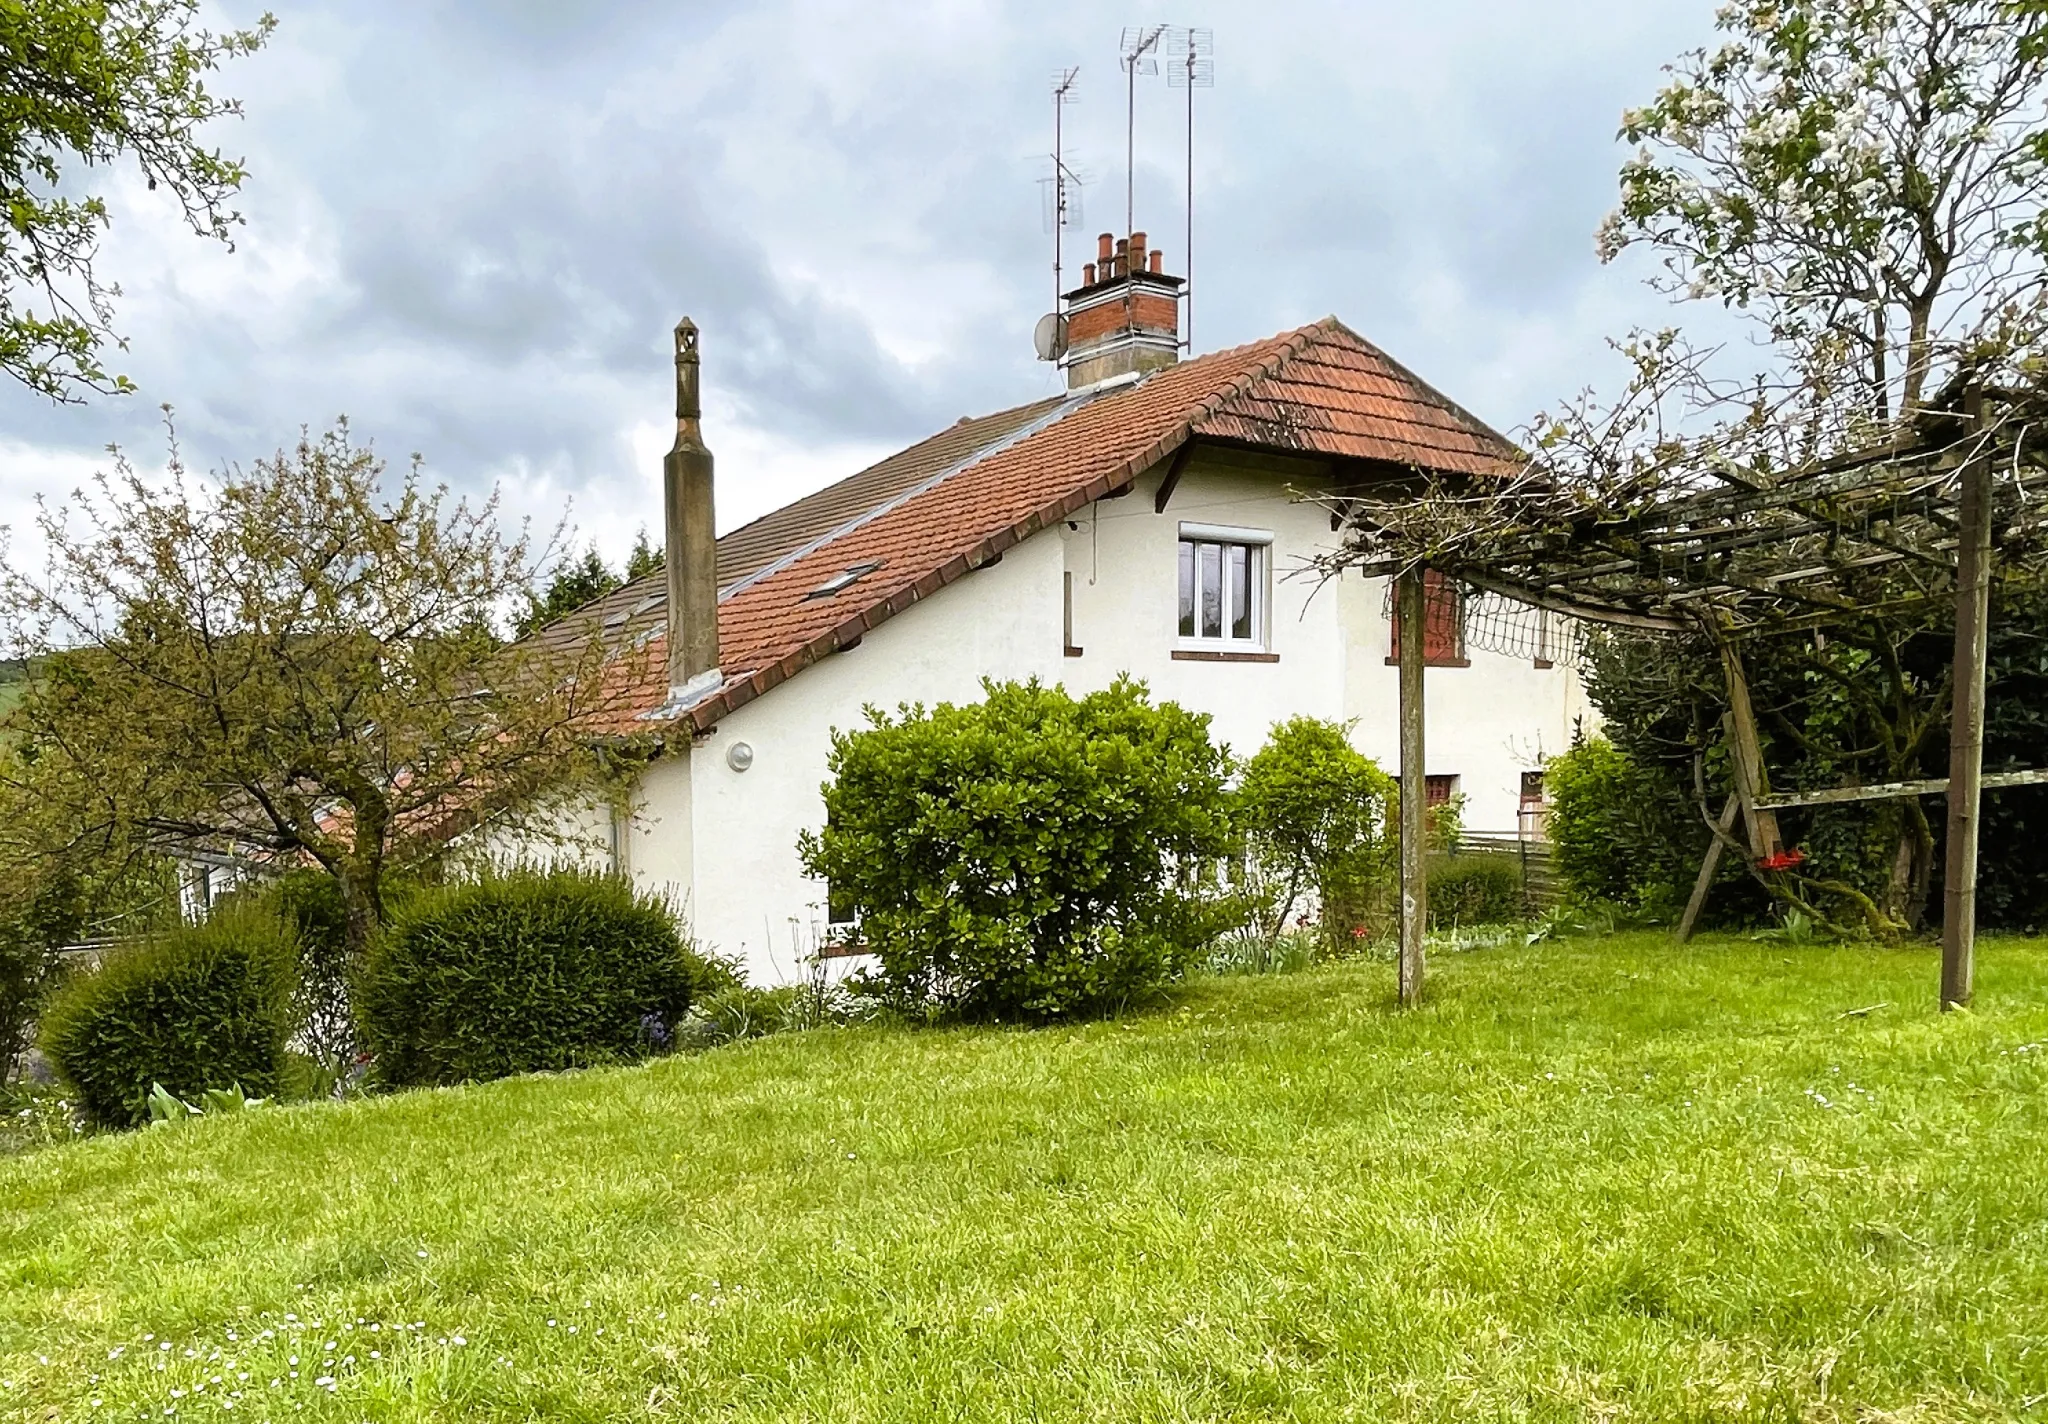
column 1191, row 65
column 1138, row 49
column 1062, row 210
column 1065, row 182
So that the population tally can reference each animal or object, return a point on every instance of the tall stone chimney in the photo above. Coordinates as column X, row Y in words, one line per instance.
column 1125, row 315
column 692, row 538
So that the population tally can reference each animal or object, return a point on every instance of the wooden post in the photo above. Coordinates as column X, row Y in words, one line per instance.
column 1966, row 721
column 1708, row 866
column 1408, row 608
column 1746, row 750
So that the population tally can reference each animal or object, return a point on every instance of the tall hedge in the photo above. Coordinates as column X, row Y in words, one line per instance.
column 1475, row 890
column 1591, row 832
column 1028, row 856
column 1867, row 703
column 208, row 1006
column 1620, row 833
column 526, row 971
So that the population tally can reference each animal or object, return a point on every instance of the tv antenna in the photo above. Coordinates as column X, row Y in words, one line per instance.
column 1191, row 65
column 1062, row 210
column 1062, row 188
column 1137, row 49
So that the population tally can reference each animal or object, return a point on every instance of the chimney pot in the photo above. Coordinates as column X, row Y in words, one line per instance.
column 1102, row 248
column 1088, row 275
column 1123, row 258
column 1137, row 252
column 1158, row 260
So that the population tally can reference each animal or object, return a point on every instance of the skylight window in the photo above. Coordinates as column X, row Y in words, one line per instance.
column 845, row 578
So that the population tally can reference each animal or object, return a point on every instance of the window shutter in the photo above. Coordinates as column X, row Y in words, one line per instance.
column 1443, row 621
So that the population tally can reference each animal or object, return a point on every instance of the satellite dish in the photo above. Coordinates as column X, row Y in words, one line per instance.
column 1049, row 338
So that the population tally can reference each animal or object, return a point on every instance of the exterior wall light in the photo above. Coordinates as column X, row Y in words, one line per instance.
column 739, row 756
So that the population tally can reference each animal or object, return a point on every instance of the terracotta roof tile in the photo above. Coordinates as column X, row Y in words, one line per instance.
column 1343, row 396
column 639, row 605
column 966, row 495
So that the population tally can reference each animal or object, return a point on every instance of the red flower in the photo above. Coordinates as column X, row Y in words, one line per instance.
column 1783, row 860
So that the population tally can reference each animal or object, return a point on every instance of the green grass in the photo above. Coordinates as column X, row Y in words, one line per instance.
column 1588, row 1180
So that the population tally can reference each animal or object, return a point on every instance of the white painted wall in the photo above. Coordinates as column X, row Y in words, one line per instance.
column 750, row 896
column 724, row 842
column 1486, row 724
column 657, row 842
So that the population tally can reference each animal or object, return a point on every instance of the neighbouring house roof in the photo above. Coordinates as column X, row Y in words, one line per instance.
column 933, row 513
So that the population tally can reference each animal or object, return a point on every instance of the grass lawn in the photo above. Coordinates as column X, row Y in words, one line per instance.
column 1590, row 1180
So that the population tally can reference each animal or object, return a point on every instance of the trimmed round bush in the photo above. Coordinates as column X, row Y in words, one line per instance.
column 1474, row 890
column 207, row 1006
column 524, row 972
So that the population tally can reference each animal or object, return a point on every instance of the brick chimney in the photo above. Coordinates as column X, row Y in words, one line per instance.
column 1125, row 316
column 692, row 539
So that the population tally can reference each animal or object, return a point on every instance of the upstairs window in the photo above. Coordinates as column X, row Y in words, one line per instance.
column 1443, row 623
column 1223, row 586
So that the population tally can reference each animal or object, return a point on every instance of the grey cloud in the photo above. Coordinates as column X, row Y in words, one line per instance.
column 509, row 203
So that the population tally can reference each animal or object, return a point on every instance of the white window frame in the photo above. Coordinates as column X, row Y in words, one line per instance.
column 1258, row 544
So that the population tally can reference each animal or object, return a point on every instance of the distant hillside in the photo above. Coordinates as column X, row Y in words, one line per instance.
column 11, row 672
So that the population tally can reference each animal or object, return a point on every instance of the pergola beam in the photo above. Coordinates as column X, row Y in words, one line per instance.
column 1538, row 597
column 1898, row 790
column 1709, row 868
column 1745, row 750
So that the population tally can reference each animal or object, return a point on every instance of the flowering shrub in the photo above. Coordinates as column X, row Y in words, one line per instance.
column 526, row 971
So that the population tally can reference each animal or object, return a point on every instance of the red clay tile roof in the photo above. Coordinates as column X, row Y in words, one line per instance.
column 956, row 502
column 638, row 606
column 1341, row 395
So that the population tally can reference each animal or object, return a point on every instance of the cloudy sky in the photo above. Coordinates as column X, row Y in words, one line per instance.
column 472, row 223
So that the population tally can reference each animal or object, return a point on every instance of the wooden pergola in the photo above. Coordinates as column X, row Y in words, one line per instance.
column 1732, row 553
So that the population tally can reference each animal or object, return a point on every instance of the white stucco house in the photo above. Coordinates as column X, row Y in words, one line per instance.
column 1150, row 521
